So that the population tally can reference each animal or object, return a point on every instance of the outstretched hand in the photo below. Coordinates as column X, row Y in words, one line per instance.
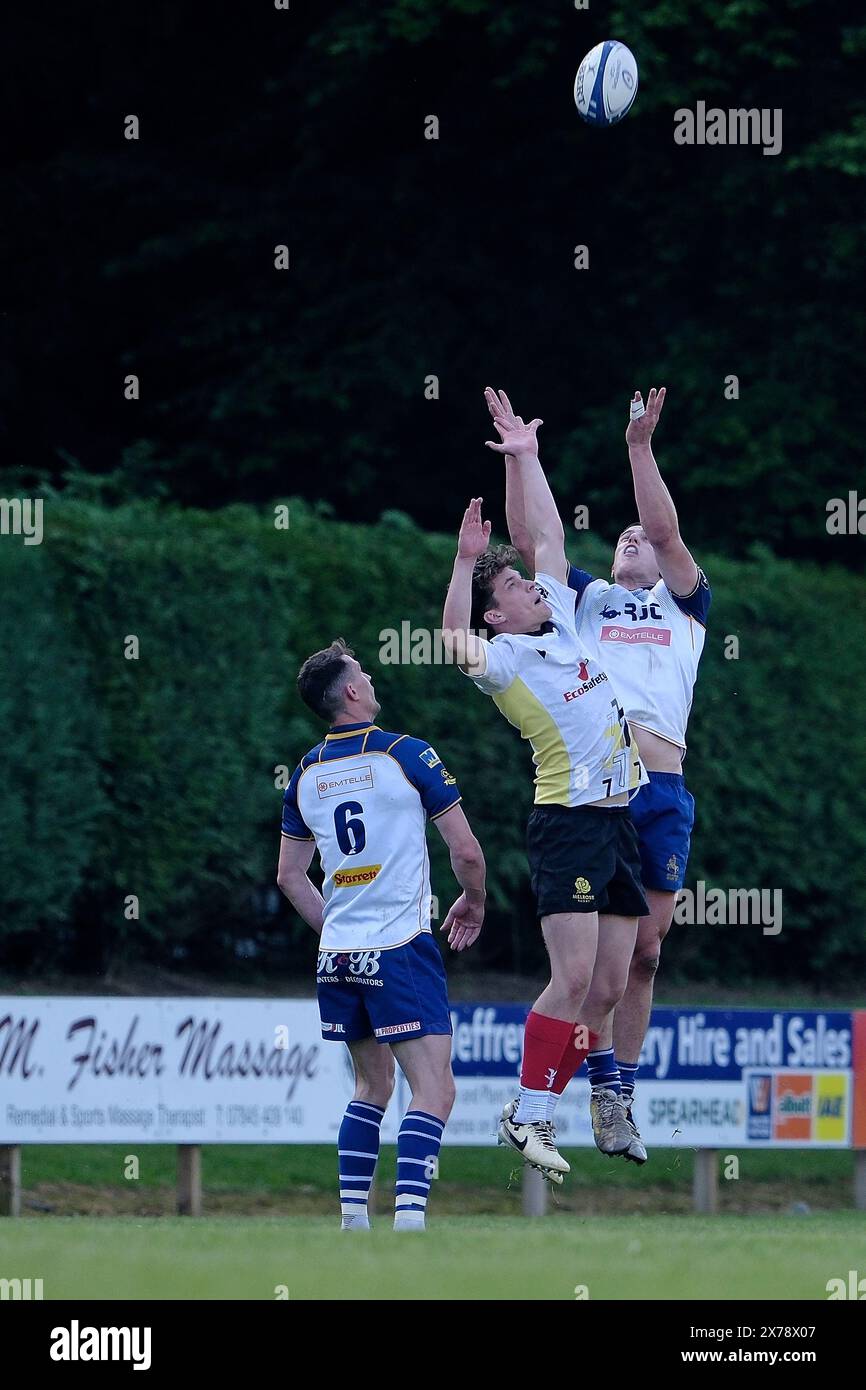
column 515, row 437
column 463, row 924
column 474, row 535
column 640, row 431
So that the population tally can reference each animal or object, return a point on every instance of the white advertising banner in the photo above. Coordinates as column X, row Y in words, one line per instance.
column 216, row 1071
column 185, row 1071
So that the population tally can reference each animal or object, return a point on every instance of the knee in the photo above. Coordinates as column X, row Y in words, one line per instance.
column 607, row 994
column 448, row 1093
column 436, row 1096
column 647, row 951
column 376, row 1090
column 645, row 962
column 574, row 987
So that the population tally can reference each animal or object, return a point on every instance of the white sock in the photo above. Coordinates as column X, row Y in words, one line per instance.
column 552, row 1101
column 531, row 1106
column 409, row 1221
column 356, row 1222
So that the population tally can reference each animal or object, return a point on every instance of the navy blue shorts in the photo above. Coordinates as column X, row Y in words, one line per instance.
column 389, row 995
column 664, row 812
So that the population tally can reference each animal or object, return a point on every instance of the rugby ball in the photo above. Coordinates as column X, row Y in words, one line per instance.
column 606, row 83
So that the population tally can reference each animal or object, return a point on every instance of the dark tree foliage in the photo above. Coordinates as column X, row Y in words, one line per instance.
column 451, row 257
column 159, row 777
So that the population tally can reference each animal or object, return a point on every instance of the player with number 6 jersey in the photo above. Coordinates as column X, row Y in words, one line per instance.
column 363, row 798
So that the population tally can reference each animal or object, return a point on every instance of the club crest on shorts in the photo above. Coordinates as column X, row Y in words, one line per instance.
column 583, row 890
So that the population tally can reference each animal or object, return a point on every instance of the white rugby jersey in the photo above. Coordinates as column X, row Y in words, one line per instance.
column 551, row 687
column 364, row 796
column 650, row 641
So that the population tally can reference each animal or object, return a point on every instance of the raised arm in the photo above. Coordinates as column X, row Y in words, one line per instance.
column 655, row 507
column 461, row 644
column 543, row 525
column 515, row 514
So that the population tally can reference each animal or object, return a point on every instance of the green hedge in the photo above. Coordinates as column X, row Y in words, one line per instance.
column 156, row 777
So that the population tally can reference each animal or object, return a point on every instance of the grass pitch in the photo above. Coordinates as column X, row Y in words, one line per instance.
column 270, row 1224
column 476, row 1257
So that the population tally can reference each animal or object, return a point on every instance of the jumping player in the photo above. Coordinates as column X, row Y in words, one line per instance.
column 362, row 797
column 648, row 628
column 582, row 845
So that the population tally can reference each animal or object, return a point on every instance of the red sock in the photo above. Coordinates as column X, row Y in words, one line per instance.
column 545, row 1041
column 580, row 1043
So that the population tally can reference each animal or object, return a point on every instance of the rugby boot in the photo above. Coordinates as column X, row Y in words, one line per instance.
column 611, row 1128
column 535, row 1142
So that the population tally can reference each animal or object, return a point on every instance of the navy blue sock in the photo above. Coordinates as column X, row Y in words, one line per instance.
column 358, row 1149
column 628, row 1072
column 418, row 1143
column 603, row 1070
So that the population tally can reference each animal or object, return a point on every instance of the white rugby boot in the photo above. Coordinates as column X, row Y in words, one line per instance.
column 535, row 1142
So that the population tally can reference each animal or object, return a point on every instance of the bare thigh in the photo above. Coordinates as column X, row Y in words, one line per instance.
column 571, row 939
column 616, row 939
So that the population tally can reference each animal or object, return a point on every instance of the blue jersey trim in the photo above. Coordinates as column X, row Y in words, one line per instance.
column 579, row 581
column 696, row 604
column 428, row 775
column 347, row 730
column 313, row 756
column 294, row 826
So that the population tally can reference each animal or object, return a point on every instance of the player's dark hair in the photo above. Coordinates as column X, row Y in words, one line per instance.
column 321, row 679
column 485, row 572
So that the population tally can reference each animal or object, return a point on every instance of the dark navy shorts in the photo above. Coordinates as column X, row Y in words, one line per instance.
column 584, row 859
column 663, row 812
column 388, row 995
